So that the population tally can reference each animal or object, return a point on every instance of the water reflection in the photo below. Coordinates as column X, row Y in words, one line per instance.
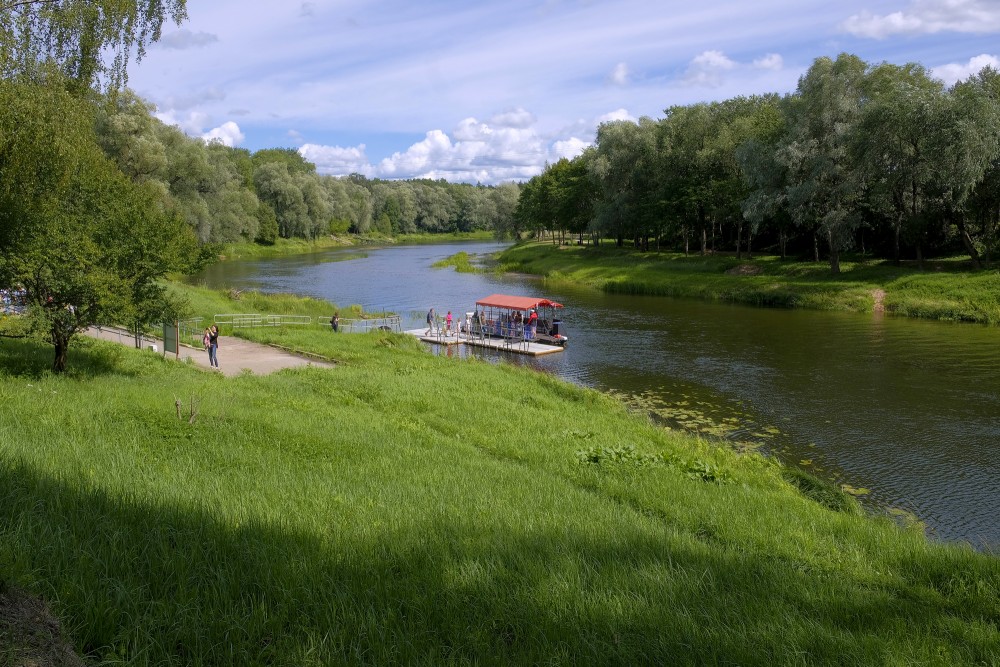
column 905, row 408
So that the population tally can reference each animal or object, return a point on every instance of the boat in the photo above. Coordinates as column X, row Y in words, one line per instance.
column 510, row 317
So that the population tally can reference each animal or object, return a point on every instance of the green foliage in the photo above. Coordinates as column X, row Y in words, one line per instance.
column 381, row 512
column 85, row 244
column 78, row 35
column 939, row 292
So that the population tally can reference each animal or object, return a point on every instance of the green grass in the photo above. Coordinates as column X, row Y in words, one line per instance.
column 949, row 291
column 403, row 508
column 283, row 247
column 460, row 260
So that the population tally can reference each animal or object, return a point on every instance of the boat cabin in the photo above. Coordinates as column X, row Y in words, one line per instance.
column 519, row 317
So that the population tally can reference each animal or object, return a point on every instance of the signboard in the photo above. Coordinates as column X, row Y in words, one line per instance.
column 170, row 339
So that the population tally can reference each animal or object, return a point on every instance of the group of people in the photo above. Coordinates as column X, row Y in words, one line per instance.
column 211, row 342
column 434, row 323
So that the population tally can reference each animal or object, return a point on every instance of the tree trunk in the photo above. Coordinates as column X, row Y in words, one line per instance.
column 815, row 247
column 897, row 229
column 749, row 243
column 60, row 341
column 834, row 254
column 783, row 243
column 920, row 255
column 970, row 247
column 739, row 241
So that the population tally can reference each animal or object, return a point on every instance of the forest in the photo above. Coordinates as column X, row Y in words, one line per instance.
column 882, row 160
column 228, row 194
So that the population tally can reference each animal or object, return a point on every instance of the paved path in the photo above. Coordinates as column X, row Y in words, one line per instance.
column 235, row 354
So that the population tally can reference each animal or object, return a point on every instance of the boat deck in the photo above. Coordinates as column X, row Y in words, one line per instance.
column 504, row 345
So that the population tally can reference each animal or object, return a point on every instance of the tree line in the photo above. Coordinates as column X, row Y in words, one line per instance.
column 882, row 159
column 229, row 194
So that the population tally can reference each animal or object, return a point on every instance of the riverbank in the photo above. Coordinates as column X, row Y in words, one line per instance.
column 948, row 291
column 390, row 510
column 286, row 247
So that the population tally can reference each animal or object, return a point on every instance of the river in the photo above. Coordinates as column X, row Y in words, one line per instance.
column 905, row 410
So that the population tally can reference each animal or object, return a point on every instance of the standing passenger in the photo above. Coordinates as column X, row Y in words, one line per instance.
column 447, row 325
column 430, row 321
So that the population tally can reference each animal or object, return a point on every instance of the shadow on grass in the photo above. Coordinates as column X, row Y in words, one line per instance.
column 160, row 584
column 31, row 358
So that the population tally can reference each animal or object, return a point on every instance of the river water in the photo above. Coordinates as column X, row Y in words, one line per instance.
column 905, row 410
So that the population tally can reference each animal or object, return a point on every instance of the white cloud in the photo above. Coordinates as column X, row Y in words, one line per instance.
column 295, row 136
column 336, row 160
column 519, row 118
column 569, row 148
column 617, row 114
column 771, row 61
column 928, row 17
column 228, row 133
column 953, row 72
column 193, row 122
column 620, row 75
column 475, row 151
column 707, row 69
column 185, row 39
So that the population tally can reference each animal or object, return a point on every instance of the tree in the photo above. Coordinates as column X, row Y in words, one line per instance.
column 893, row 145
column 86, row 39
column 822, row 189
column 84, row 242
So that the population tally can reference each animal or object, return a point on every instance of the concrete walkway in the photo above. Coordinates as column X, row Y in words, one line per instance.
column 235, row 354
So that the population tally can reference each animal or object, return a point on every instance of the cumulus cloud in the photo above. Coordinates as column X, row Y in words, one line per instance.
column 185, row 39
column 491, row 152
column 228, row 133
column 617, row 114
column 928, row 17
column 620, row 75
column 708, row 68
column 771, row 61
column 953, row 72
column 519, row 118
column 336, row 160
column 193, row 122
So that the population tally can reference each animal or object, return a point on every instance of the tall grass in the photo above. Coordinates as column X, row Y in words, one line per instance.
column 403, row 508
column 947, row 292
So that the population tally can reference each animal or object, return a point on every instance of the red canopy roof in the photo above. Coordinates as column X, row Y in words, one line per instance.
column 516, row 302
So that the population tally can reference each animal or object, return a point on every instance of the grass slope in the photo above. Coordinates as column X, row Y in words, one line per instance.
column 947, row 293
column 407, row 508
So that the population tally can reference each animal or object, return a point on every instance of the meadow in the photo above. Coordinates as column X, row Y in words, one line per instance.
column 944, row 290
column 404, row 508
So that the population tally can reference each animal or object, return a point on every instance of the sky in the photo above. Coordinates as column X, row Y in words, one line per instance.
column 488, row 92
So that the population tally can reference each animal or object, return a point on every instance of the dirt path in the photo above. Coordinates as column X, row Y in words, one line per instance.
column 235, row 354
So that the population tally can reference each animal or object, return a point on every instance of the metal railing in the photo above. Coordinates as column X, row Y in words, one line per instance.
column 253, row 320
column 391, row 323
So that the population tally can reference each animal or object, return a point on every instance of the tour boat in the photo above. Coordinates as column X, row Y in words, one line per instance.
column 505, row 316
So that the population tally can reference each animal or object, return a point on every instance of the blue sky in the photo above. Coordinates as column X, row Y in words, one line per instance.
column 490, row 91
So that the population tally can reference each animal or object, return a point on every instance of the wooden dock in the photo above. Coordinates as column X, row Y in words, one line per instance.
column 503, row 345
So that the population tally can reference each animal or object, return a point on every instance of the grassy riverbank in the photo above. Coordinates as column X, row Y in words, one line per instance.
column 285, row 247
column 948, row 291
column 404, row 508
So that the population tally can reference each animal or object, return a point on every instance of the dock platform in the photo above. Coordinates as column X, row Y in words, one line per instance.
column 518, row 346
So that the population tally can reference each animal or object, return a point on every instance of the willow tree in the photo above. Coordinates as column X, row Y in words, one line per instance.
column 88, row 40
column 822, row 191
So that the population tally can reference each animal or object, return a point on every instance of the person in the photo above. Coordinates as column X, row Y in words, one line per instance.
column 430, row 322
column 206, row 342
column 532, row 323
column 447, row 324
column 213, row 346
column 335, row 321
